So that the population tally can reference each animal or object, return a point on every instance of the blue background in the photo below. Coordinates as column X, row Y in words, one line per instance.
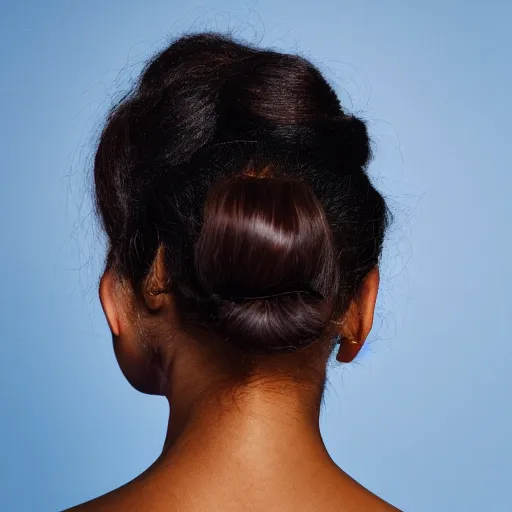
column 423, row 417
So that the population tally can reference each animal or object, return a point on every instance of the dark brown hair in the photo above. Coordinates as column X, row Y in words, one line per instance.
column 242, row 165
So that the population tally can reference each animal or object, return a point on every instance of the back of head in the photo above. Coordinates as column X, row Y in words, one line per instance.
column 243, row 167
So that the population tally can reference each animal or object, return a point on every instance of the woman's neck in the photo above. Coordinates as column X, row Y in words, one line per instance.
column 242, row 449
column 267, row 427
column 252, row 447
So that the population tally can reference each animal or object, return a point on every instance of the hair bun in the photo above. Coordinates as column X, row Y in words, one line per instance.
column 266, row 259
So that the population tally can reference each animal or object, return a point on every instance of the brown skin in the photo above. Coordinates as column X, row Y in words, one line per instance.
column 251, row 447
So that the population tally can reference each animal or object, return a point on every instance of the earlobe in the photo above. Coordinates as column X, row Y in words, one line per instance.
column 349, row 348
column 108, row 303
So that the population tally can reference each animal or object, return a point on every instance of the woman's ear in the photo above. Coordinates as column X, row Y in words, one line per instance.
column 358, row 320
column 155, row 289
column 108, row 301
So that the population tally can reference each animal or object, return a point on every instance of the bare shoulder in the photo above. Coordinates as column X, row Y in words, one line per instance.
column 329, row 490
column 338, row 501
column 346, row 494
column 121, row 499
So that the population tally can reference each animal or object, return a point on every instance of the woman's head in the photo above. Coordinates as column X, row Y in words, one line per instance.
column 232, row 188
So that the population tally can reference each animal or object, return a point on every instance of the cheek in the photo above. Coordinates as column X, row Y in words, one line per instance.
column 136, row 365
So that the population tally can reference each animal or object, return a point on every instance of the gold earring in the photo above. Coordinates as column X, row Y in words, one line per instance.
column 339, row 339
